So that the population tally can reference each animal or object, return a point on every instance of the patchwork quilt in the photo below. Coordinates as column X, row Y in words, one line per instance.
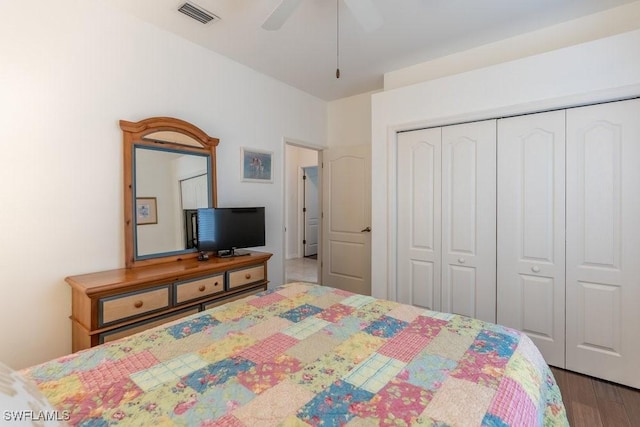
column 303, row 355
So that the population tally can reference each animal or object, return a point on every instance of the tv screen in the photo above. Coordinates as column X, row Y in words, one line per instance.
column 222, row 230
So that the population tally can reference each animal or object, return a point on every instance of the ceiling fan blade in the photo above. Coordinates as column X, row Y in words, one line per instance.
column 280, row 14
column 365, row 13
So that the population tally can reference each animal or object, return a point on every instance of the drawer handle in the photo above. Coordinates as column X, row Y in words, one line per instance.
column 138, row 304
column 247, row 276
column 202, row 288
column 535, row 269
column 461, row 260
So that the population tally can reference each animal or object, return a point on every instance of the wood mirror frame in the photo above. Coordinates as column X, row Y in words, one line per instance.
column 165, row 133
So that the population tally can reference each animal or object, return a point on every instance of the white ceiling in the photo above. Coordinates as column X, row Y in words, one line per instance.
column 303, row 52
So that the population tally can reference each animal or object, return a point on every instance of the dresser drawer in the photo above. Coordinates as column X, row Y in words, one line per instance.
column 245, row 276
column 125, row 331
column 132, row 304
column 235, row 297
column 198, row 288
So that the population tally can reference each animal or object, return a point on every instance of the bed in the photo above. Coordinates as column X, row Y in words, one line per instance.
column 305, row 354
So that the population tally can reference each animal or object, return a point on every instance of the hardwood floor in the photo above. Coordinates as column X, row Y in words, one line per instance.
column 591, row 402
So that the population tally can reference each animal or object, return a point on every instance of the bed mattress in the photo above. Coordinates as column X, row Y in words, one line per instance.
column 305, row 354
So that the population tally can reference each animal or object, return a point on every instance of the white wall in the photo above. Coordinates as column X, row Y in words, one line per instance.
column 600, row 70
column 349, row 121
column 69, row 70
column 591, row 27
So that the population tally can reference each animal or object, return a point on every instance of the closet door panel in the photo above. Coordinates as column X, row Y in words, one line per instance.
column 419, row 217
column 531, row 221
column 462, row 289
column 537, row 312
column 469, row 219
column 603, row 231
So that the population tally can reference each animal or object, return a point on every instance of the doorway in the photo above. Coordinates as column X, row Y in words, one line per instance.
column 310, row 212
column 302, row 214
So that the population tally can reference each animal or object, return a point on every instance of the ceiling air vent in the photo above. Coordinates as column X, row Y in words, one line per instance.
column 197, row 13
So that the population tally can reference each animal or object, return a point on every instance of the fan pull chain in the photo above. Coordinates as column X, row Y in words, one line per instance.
column 337, row 39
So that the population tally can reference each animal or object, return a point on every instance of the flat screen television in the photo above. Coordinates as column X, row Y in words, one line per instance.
column 224, row 230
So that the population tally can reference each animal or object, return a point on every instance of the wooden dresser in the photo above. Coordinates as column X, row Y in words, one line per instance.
column 112, row 304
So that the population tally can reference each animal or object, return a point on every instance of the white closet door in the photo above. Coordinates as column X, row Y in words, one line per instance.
column 531, row 221
column 603, row 241
column 419, row 210
column 469, row 219
column 194, row 192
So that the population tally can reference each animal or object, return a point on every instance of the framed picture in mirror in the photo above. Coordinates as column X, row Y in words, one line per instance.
column 146, row 210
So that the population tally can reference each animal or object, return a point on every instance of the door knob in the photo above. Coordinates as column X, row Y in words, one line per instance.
column 461, row 260
column 535, row 269
column 366, row 230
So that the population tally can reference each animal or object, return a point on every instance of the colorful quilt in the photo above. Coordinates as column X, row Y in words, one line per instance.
column 303, row 355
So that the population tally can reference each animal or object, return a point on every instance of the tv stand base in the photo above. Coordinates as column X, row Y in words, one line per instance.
column 232, row 253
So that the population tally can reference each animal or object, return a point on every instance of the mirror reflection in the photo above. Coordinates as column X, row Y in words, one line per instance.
column 168, row 186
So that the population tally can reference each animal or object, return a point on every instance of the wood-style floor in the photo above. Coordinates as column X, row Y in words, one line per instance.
column 591, row 402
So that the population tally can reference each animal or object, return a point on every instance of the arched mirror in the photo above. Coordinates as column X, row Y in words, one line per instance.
column 169, row 172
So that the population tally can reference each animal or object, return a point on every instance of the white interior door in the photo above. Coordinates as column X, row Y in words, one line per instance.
column 346, row 249
column 419, row 218
column 531, row 223
column 311, row 214
column 469, row 219
column 603, row 241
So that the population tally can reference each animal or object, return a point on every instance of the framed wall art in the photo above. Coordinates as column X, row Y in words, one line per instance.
column 256, row 165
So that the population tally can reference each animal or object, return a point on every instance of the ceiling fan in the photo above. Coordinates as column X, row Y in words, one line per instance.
column 364, row 11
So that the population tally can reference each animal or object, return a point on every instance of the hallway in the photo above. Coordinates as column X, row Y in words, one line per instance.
column 301, row 270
